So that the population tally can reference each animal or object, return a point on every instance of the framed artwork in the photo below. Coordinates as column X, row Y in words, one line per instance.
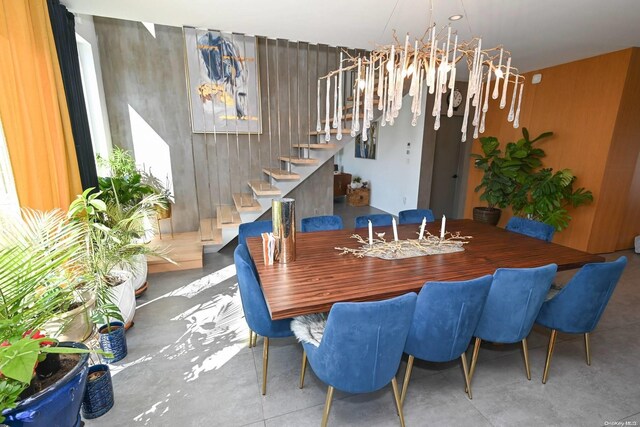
column 368, row 149
column 224, row 89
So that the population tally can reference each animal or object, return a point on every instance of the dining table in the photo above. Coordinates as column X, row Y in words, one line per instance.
column 323, row 275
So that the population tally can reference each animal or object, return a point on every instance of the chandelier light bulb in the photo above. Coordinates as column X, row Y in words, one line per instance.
column 361, row 84
column 389, row 65
column 499, row 74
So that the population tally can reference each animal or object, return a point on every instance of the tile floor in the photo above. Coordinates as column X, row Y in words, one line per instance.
column 189, row 365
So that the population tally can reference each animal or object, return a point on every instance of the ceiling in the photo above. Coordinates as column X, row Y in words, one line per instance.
column 539, row 33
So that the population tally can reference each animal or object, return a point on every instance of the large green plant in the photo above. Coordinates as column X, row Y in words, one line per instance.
column 41, row 257
column 517, row 178
column 112, row 233
column 125, row 186
column 504, row 173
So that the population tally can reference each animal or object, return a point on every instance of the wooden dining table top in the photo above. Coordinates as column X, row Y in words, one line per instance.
column 320, row 276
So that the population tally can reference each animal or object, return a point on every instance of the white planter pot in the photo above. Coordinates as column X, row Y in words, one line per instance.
column 139, row 271
column 74, row 325
column 124, row 296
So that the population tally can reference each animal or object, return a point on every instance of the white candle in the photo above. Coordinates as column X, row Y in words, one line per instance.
column 503, row 99
column 395, row 229
column 498, row 76
column 370, row 234
column 444, row 224
column 424, row 223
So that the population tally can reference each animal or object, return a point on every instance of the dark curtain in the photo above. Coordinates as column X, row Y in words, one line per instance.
column 64, row 34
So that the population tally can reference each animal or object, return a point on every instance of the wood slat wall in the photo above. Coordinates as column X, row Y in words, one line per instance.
column 583, row 103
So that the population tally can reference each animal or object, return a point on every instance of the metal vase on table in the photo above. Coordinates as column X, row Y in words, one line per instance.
column 284, row 229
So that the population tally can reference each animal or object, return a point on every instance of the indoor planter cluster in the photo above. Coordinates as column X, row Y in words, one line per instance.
column 60, row 275
column 518, row 179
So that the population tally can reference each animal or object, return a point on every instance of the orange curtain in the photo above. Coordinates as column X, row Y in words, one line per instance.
column 33, row 108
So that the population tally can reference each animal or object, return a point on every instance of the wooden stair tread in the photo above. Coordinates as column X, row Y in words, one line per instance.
column 299, row 160
column 281, row 175
column 227, row 217
column 209, row 233
column 332, row 132
column 246, row 203
column 327, row 146
column 184, row 248
column 263, row 188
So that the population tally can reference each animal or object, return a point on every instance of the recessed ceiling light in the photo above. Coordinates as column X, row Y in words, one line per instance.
column 455, row 17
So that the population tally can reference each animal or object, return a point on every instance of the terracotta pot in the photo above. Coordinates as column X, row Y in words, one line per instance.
column 487, row 215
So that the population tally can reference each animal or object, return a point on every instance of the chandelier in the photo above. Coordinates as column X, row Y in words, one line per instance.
column 432, row 60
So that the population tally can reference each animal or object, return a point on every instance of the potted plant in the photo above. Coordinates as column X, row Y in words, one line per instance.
column 356, row 182
column 545, row 195
column 40, row 261
column 504, row 174
column 98, row 397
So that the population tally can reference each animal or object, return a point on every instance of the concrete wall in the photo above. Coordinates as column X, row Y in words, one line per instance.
column 147, row 75
column 394, row 174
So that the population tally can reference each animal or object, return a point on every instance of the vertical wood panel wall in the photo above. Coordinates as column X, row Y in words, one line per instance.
column 588, row 105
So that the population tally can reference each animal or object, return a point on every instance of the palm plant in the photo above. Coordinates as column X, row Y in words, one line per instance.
column 112, row 239
column 40, row 267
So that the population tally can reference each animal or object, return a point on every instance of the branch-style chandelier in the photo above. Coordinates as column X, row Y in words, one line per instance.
column 432, row 60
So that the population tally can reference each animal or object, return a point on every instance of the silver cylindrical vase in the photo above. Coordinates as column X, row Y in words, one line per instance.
column 284, row 229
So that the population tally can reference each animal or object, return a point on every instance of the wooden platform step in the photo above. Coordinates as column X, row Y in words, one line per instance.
column 327, row 146
column 210, row 234
column 299, row 161
column 227, row 217
column 263, row 188
column 246, row 203
column 332, row 132
column 184, row 248
column 281, row 175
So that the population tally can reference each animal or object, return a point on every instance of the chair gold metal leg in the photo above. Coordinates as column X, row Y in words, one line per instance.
column 304, row 368
column 465, row 369
column 474, row 358
column 250, row 338
column 587, row 348
column 265, row 363
column 552, row 343
column 396, row 396
column 255, row 339
column 327, row 407
column 407, row 375
column 525, row 351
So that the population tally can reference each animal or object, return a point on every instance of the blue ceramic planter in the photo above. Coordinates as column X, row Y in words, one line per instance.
column 98, row 397
column 113, row 342
column 57, row 405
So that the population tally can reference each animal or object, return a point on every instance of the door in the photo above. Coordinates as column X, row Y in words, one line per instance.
column 446, row 167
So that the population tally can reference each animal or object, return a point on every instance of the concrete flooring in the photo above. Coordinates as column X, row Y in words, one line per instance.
column 189, row 365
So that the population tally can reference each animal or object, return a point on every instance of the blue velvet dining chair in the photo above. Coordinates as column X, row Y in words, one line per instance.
column 253, row 229
column 531, row 228
column 578, row 306
column 513, row 303
column 361, row 347
column 255, row 309
column 414, row 216
column 377, row 220
column 321, row 223
column 444, row 321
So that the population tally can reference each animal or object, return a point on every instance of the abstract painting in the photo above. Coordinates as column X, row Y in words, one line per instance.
column 224, row 89
column 367, row 149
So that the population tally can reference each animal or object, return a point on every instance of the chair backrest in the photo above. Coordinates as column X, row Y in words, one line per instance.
column 377, row 220
column 446, row 317
column 414, row 216
column 253, row 229
column 513, row 303
column 321, row 223
column 577, row 308
column 363, row 343
column 253, row 303
column 531, row 228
